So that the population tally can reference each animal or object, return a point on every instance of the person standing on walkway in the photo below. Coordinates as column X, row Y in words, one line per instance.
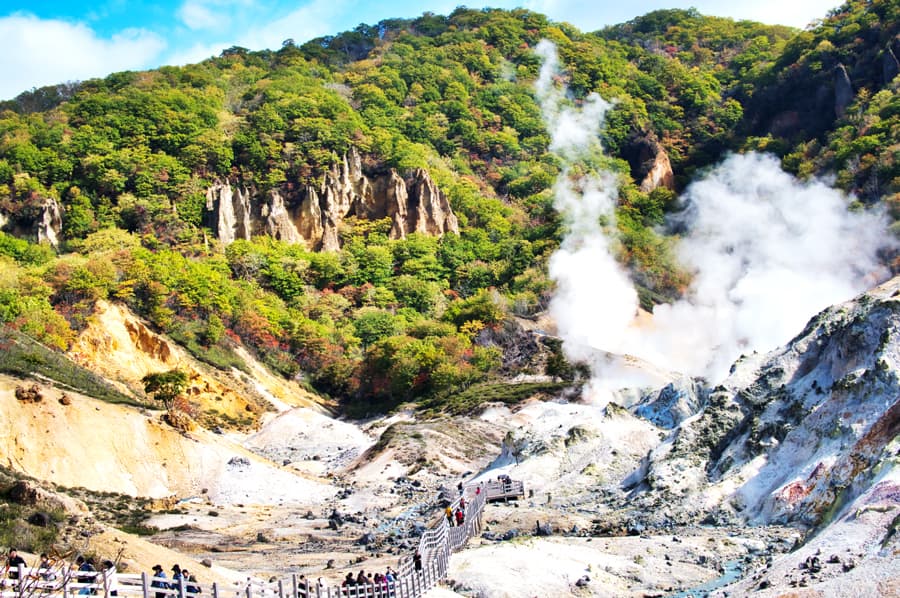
column 13, row 560
column 159, row 581
column 110, row 578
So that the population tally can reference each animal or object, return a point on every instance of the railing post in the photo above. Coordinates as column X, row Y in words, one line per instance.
column 281, row 589
column 145, row 584
column 249, row 589
column 215, row 590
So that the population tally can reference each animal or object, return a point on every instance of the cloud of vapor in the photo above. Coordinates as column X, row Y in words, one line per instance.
column 594, row 300
column 767, row 253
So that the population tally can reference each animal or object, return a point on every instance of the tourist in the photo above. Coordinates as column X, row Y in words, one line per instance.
column 449, row 513
column 110, row 578
column 177, row 578
column 13, row 561
column 159, row 577
column 460, row 517
column 417, row 561
column 45, row 568
column 87, row 566
column 190, row 581
column 380, row 582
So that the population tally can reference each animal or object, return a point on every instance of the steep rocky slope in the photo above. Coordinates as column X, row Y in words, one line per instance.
column 798, row 434
column 123, row 349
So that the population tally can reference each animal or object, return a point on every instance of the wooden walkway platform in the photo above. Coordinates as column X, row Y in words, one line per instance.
column 435, row 547
column 504, row 490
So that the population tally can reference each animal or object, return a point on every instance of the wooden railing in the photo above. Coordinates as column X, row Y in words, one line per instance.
column 65, row 582
column 434, row 548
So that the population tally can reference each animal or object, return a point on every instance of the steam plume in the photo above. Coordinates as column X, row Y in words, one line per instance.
column 590, row 283
column 767, row 252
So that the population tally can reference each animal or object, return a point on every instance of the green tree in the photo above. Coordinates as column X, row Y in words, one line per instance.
column 165, row 386
column 372, row 325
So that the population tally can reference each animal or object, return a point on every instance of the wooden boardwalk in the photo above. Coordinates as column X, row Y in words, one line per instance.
column 435, row 547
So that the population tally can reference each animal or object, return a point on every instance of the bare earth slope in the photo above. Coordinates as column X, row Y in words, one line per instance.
column 113, row 448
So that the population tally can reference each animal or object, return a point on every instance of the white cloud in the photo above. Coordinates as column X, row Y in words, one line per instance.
column 317, row 18
column 314, row 19
column 40, row 52
column 196, row 14
column 196, row 53
column 214, row 14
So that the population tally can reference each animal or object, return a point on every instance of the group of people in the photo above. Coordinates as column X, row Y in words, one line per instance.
column 457, row 517
column 383, row 580
column 84, row 572
column 180, row 578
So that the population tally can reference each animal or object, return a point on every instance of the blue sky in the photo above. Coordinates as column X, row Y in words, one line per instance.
column 47, row 42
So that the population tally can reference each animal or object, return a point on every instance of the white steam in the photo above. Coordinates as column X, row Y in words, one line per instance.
column 767, row 252
column 589, row 280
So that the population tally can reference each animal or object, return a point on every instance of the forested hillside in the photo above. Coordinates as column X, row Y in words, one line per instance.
column 113, row 175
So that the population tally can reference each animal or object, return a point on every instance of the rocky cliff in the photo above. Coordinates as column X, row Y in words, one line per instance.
column 315, row 214
column 42, row 224
column 650, row 164
column 797, row 435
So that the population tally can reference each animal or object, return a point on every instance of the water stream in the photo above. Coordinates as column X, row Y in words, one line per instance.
column 732, row 573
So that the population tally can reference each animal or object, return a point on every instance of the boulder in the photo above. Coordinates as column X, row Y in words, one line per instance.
column 29, row 394
column 543, row 530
